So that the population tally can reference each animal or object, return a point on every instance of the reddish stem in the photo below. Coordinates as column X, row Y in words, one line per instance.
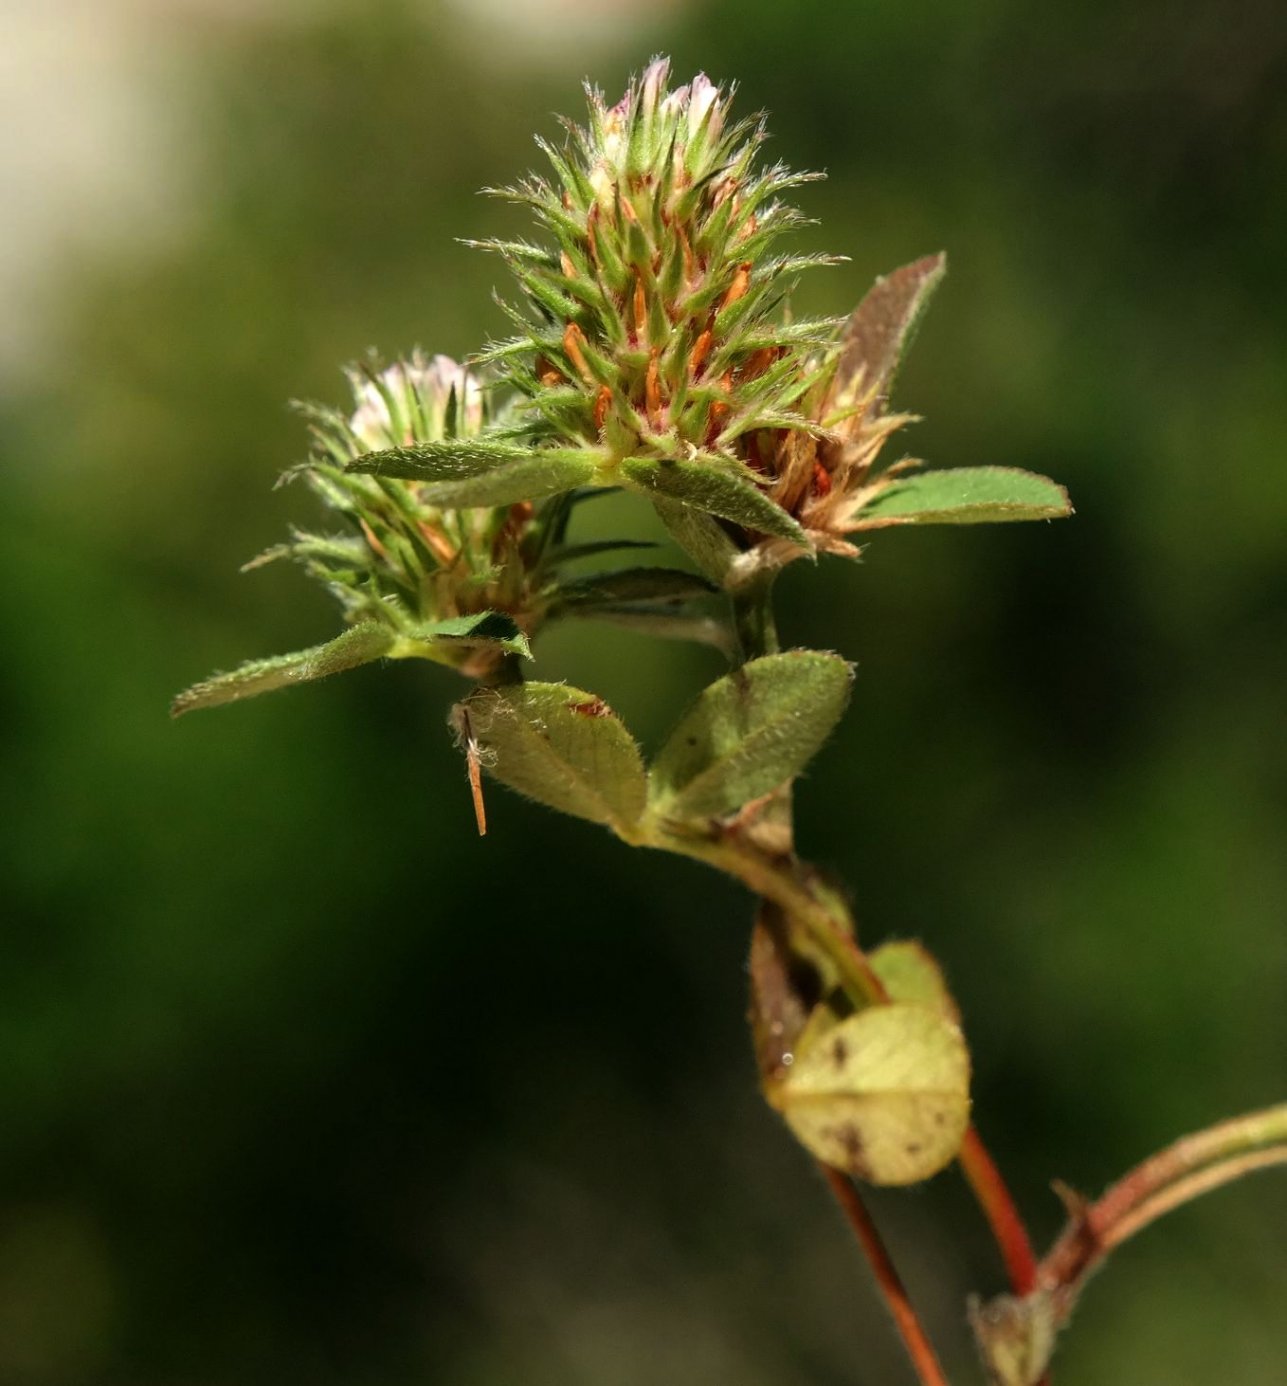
column 999, row 1207
column 906, row 1320
column 1191, row 1166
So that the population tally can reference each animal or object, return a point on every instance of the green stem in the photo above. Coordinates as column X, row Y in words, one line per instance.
column 753, row 621
column 786, row 883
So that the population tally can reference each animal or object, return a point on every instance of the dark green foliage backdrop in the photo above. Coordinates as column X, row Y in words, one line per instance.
column 302, row 1082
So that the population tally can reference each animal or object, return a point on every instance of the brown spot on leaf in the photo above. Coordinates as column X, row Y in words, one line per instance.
column 847, row 1138
column 594, row 707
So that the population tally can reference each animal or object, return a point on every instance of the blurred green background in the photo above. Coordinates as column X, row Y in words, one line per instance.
column 300, row 1081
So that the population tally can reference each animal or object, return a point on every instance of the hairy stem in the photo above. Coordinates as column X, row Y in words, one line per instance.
column 753, row 620
column 787, row 884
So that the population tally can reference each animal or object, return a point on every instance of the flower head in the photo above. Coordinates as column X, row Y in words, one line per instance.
column 462, row 587
column 652, row 336
column 404, row 560
column 655, row 352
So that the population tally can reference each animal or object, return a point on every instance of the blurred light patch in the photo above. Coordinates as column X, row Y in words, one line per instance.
column 95, row 155
column 559, row 33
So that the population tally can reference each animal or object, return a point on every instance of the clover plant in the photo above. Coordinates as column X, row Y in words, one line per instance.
column 653, row 352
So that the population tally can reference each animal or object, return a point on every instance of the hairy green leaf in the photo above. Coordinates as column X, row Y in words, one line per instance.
column 714, row 487
column 884, row 1094
column 965, row 496
column 359, row 645
column 563, row 747
column 467, row 472
column 748, row 733
column 450, row 459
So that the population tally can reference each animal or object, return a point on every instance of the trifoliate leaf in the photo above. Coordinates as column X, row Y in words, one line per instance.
column 881, row 329
column 965, row 496
column 713, row 487
column 462, row 472
column 910, row 972
column 883, row 1095
column 358, row 645
column 748, row 733
column 565, row 748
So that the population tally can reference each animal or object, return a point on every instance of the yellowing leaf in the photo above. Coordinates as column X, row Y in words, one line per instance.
column 883, row 1095
column 910, row 972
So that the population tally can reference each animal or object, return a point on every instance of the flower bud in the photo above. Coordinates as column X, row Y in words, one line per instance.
column 405, row 560
column 409, row 402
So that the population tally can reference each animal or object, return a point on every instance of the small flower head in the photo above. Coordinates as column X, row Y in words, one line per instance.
column 461, row 587
column 410, row 402
column 402, row 560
